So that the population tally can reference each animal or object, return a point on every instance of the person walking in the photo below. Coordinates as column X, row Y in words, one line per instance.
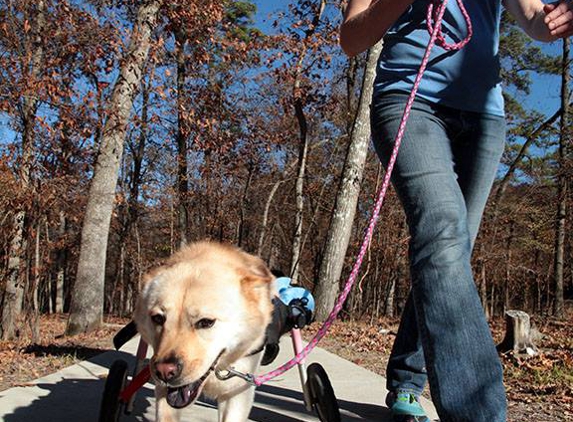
column 444, row 172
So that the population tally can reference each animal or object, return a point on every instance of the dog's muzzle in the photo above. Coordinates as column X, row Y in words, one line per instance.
column 180, row 397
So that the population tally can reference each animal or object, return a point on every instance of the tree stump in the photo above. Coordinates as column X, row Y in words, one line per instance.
column 518, row 336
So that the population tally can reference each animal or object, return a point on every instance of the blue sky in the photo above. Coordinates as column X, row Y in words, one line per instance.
column 264, row 8
column 544, row 96
column 545, row 90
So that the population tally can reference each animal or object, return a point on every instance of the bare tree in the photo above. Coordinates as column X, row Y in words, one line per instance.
column 14, row 292
column 61, row 255
column 129, row 218
column 340, row 228
column 182, row 135
column 303, row 145
column 86, row 310
column 562, row 185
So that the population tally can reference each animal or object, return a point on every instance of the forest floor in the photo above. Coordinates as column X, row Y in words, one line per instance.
column 540, row 388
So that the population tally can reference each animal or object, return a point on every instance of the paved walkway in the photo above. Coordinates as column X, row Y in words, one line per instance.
column 73, row 394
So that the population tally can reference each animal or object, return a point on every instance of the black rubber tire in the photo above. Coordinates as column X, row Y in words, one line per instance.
column 110, row 408
column 321, row 394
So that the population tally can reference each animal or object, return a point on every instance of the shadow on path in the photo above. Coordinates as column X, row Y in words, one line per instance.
column 79, row 352
column 74, row 399
column 70, row 399
column 284, row 398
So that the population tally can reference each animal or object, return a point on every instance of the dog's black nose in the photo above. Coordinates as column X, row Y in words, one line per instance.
column 168, row 369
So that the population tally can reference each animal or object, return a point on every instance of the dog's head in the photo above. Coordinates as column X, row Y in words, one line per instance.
column 208, row 306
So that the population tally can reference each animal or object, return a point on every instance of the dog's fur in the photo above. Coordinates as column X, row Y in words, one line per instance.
column 202, row 283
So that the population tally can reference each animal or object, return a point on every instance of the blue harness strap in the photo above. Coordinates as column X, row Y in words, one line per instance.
column 292, row 308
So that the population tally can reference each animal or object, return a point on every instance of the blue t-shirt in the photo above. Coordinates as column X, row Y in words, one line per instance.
column 467, row 79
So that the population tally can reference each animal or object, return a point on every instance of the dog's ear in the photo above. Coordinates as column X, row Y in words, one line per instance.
column 155, row 272
column 149, row 276
column 255, row 273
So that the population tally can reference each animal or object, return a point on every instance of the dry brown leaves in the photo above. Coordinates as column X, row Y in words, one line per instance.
column 539, row 388
column 365, row 344
column 544, row 381
column 23, row 361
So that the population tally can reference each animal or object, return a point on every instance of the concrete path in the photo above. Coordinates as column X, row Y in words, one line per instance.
column 74, row 394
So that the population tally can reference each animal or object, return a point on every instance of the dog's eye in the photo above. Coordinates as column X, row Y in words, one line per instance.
column 204, row 323
column 158, row 319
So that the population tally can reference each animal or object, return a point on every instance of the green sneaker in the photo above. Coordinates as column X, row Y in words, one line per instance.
column 405, row 406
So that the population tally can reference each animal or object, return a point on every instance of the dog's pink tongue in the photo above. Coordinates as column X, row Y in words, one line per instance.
column 181, row 397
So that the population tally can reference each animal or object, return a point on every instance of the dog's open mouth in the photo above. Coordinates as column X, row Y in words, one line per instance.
column 180, row 397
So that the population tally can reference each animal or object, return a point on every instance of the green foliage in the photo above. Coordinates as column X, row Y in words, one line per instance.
column 521, row 58
column 239, row 18
column 520, row 55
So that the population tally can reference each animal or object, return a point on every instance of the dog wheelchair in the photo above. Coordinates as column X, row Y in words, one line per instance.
column 293, row 310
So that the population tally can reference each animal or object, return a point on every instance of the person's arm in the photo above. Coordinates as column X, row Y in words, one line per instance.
column 542, row 22
column 366, row 21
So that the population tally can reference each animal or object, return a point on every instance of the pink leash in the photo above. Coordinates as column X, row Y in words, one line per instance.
column 434, row 20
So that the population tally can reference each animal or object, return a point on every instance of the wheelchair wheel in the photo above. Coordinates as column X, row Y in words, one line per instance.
column 110, row 408
column 321, row 394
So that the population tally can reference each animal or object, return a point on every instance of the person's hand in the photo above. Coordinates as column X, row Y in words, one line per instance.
column 559, row 18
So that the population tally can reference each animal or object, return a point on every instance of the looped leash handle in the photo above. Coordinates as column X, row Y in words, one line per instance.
column 435, row 23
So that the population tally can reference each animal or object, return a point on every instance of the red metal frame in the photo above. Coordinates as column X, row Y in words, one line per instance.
column 139, row 381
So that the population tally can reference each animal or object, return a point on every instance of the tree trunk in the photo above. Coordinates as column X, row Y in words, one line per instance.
column 172, row 217
column 243, row 210
column 340, row 228
column 181, row 138
column 547, row 287
column 351, row 81
column 299, row 189
column 517, row 334
column 131, row 214
column 493, row 301
column 508, row 258
column 14, row 291
column 264, row 223
column 562, row 186
column 86, row 311
column 304, row 145
column 61, row 261
column 209, row 222
column 33, row 313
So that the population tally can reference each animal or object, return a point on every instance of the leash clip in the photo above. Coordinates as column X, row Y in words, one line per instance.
column 225, row 375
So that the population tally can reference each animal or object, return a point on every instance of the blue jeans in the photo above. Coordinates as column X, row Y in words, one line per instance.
column 443, row 175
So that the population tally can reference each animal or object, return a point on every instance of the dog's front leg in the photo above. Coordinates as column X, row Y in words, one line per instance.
column 164, row 412
column 238, row 407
